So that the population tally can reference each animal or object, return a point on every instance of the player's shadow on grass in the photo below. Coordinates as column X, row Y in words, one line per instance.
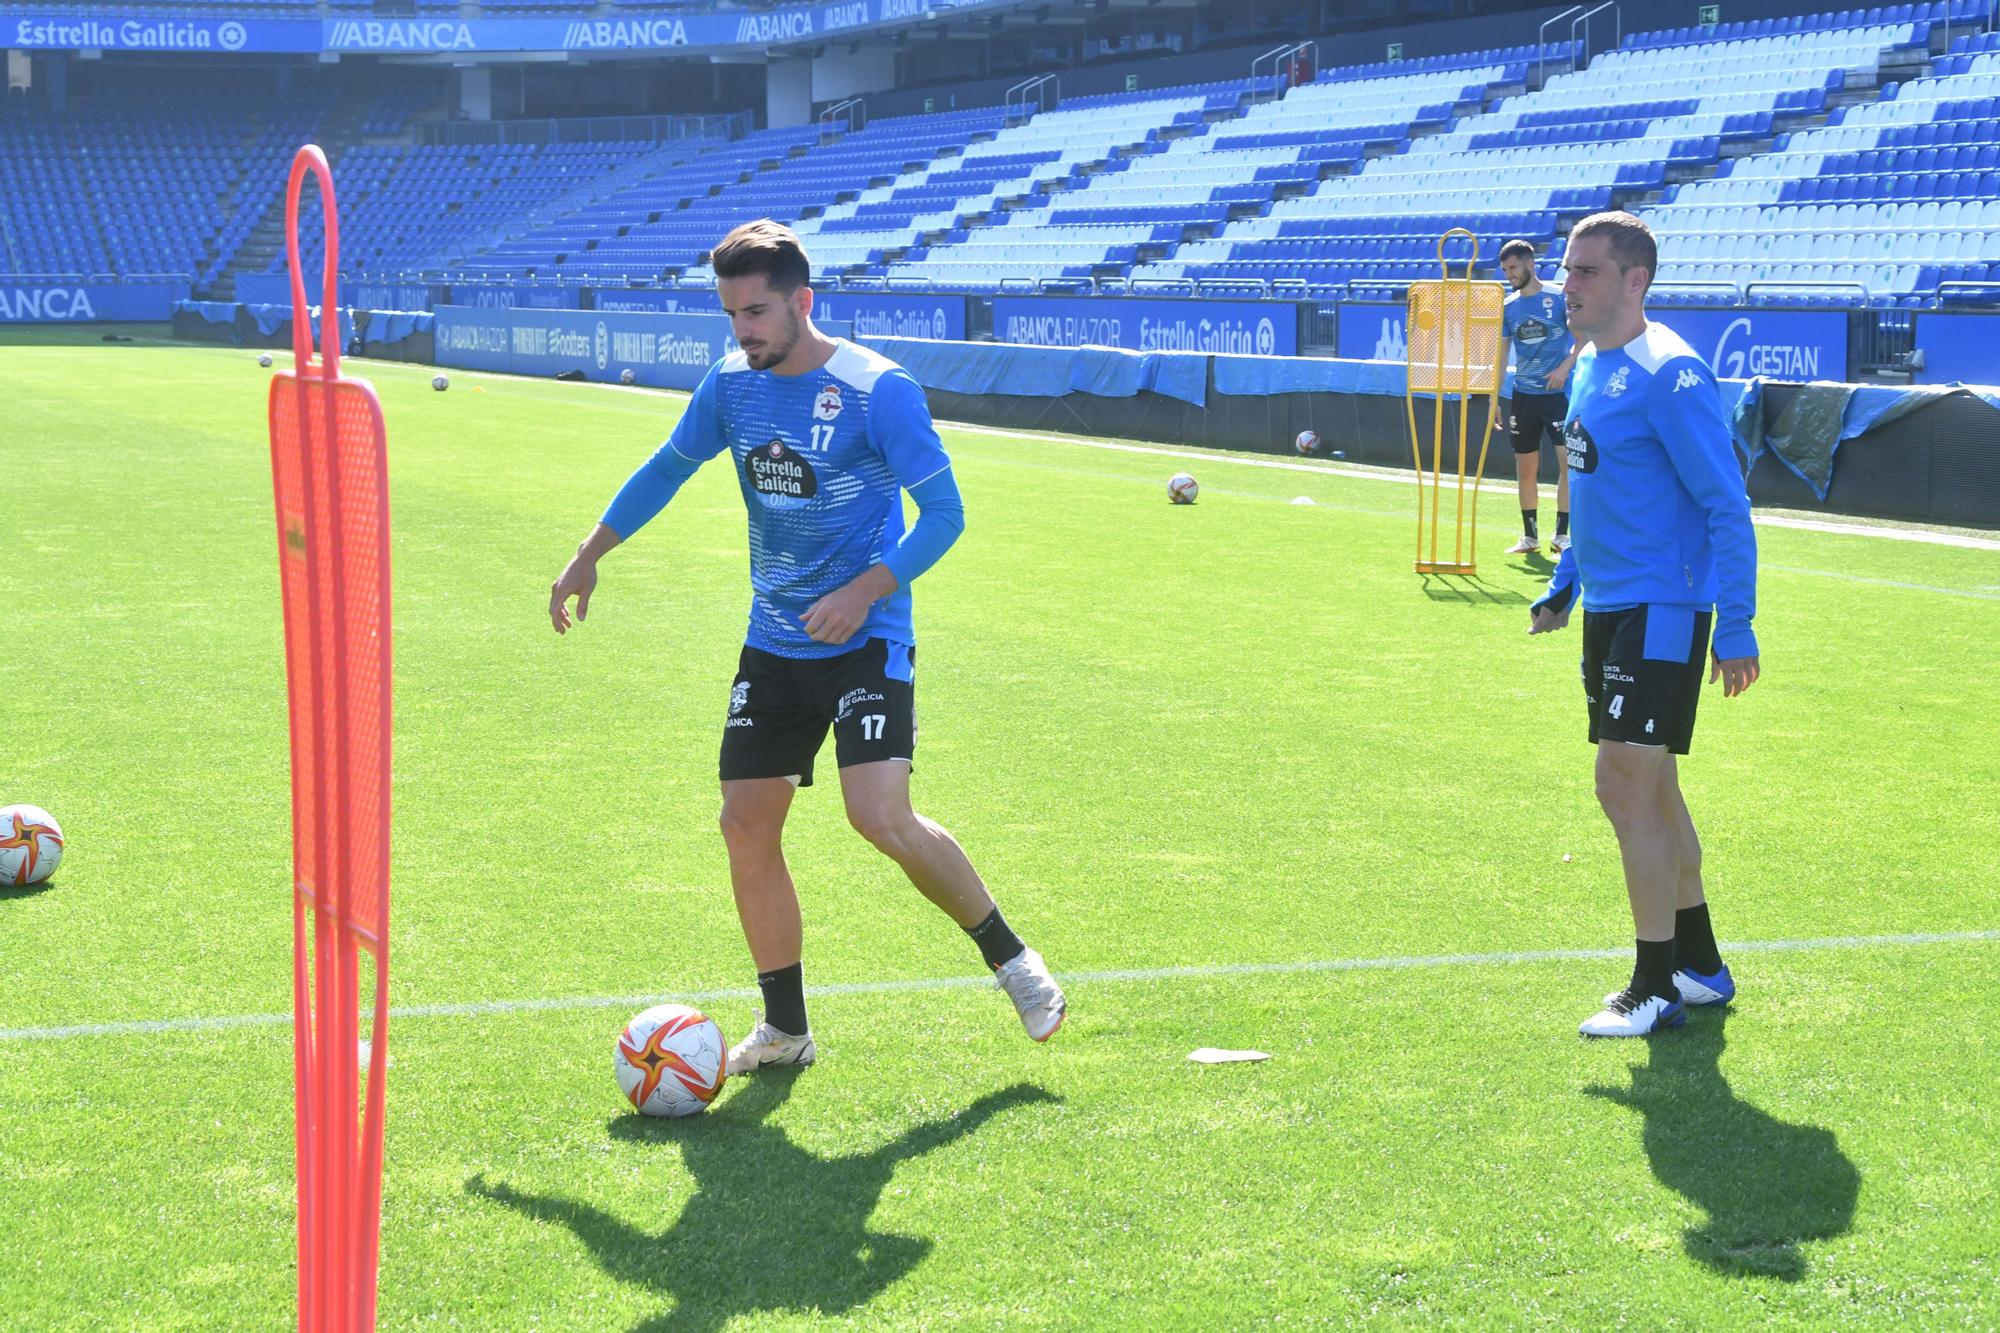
column 1768, row 1185
column 770, row 1227
column 1469, row 589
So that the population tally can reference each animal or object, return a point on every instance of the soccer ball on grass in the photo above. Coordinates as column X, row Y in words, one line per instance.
column 670, row 1060
column 1181, row 489
column 440, row 382
column 31, row 845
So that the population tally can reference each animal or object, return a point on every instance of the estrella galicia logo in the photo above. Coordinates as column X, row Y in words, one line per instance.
column 603, row 345
column 1582, row 449
column 779, row 474
column 231, row 36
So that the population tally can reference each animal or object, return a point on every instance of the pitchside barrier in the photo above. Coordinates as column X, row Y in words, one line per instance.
column 1927, row 453
column 663, row 351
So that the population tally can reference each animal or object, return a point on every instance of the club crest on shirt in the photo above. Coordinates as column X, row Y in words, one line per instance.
column 779, row 473
column 827, row 405
column 739, row 697
column 1616, row 385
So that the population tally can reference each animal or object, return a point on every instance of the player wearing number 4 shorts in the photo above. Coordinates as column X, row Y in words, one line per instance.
column 1662, row 546
column 824, row 436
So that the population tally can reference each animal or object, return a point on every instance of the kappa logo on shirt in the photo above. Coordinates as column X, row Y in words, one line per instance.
column 1687, row 379
column 827, row 405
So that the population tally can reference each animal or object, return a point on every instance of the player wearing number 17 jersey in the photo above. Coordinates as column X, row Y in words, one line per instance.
column 1662, row 545
column 824, row 437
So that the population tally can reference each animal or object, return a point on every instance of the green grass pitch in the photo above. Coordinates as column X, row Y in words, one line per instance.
column 1177, row 741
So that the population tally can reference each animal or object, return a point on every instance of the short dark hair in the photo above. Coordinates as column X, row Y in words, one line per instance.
column 1630, row 240
column 766, row 247
column 1521, row 248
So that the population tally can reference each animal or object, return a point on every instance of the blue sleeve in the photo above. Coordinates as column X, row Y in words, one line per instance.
column 900, row 428
column 1561, row 594
column 1685, row 410
column 697, row 437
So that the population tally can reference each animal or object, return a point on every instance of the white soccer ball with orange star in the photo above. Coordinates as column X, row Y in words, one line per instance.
column 670, row 1060
column 31, row 845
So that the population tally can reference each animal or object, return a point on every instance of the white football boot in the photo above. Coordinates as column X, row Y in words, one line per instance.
column 766, row 1046
column 1526, row 546
column 1034, row 992
column 1627, row 1014
column 1559, row 543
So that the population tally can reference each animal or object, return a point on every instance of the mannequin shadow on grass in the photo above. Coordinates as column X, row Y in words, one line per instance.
column 1469, row 589
column 771, row 1226
column 1767, row 1185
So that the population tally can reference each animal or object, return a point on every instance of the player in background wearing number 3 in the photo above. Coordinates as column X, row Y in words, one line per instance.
column 1662, row 544
column 825, row 436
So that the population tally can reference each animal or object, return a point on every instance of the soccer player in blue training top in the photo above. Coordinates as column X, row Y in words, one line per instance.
column 824, row 436
column 1663, row 544
column 1537, row 323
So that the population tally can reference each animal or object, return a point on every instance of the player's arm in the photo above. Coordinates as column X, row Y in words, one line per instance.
column 1560, row 375
column 1551, row 611
column 696, row 438
column 900, row 428
column 1685, row 410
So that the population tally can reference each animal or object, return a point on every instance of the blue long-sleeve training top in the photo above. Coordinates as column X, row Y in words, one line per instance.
column 1658, row 508
column 822, row 459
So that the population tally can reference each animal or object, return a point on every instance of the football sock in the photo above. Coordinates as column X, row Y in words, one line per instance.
column 785, row 999
column 998, row 944
column 1694, row 941
column 1562, row 522
column 1654, row 972
column 1528, row 517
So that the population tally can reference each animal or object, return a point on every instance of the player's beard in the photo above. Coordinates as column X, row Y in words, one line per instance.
column 773, row 354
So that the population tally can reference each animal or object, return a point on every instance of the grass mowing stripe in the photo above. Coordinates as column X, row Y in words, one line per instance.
column 1190, row 972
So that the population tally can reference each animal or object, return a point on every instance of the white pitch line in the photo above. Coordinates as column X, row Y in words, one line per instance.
column 1197, row 971
column 1886, row 583
column 1491, row 488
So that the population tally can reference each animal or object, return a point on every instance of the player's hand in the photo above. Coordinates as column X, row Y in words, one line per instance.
column 834, row 617
column 1737, row 674
column 1496, row 416
column 1547, row 620
column 1557, row 378
column 578, row 580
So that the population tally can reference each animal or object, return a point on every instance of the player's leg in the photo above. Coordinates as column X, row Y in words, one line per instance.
column 1628, row 785
column 1699, row 972
column 767, row 905
column 878, row 805
column 1637, row 721
column 768, row 745
column 767, row 902
column 1560, row 541
column 1527, row 476
column 875, row 736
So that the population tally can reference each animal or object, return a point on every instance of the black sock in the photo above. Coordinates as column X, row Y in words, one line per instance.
column 1528, row 517
column 998, row 944
column 1562, row 522
column 1654, row 972
column 1694, row 941
column 785, row 999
